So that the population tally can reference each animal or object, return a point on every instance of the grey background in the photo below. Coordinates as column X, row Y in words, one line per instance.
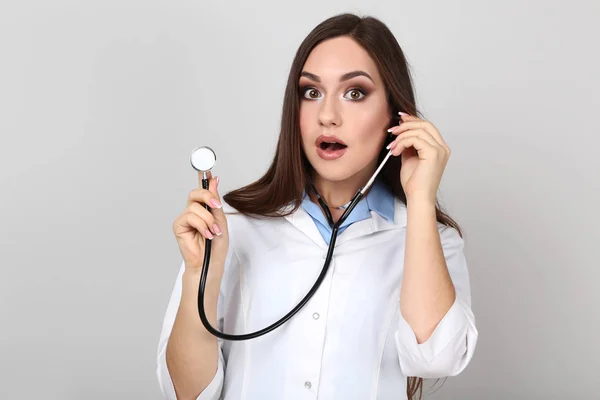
column 101, row 102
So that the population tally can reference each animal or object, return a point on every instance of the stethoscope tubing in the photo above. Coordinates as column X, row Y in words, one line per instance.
column 335, row 227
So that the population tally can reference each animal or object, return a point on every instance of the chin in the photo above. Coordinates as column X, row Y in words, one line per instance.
column 334, row 171
column 333, row 175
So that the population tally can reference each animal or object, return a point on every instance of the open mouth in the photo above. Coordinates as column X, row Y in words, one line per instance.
column 330, row 143
column 332, row 146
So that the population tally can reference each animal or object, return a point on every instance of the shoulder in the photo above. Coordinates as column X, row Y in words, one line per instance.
column 240, row 224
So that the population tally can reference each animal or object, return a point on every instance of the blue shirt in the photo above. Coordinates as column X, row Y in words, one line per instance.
column 379, row 199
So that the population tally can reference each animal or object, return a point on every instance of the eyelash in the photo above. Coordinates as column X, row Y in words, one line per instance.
column 362, row 91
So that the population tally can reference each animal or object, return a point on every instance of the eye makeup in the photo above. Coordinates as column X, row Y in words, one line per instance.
column 303, row 90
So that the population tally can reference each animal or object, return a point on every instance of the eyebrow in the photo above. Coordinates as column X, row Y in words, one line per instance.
column 343, row 78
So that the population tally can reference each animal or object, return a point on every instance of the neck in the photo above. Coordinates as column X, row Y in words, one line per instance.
column 338, row 193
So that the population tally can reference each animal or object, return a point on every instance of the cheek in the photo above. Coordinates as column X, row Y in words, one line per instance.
column 303, row 132
column 373, row 130
column 372, row 117
column 307, row 125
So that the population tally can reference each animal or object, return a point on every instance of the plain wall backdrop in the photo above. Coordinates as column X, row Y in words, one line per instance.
column 101, row 103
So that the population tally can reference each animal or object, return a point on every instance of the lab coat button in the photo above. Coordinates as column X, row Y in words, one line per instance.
column 316, row 315
column 307, row 385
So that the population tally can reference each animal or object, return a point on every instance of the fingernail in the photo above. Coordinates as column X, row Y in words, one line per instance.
column 389, row 146
column 401, row 113
column 390, row 130
column 215, row 204
column 217, row 230
column 217, row 181
column 208, row 234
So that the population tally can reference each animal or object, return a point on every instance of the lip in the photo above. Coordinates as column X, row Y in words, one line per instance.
column 329, row 139
column 329, row 154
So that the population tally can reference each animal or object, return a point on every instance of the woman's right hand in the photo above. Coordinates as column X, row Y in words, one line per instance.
column 196, row 223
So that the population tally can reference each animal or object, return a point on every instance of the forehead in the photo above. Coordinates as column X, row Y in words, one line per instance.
column 335, row 57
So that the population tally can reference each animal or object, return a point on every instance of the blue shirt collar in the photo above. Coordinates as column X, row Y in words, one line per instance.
column 379, row 199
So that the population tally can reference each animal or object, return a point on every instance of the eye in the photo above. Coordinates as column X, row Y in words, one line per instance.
column 309, row 92
column 356, row 94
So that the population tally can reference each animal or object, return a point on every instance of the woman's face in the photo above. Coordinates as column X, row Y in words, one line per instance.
column 343, row 99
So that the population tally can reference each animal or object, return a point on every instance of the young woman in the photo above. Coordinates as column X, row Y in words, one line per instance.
column 395, row 305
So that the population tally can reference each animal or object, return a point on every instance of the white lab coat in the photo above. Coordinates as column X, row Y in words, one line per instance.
column 350, row 340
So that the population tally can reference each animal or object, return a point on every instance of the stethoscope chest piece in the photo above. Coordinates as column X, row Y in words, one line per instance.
column 203, row 159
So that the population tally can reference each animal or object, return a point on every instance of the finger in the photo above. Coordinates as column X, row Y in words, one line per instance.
column 407, row 153
column 212, row 187
column 412, row 133
column 407, row 117
column 207, row 217
column 218, row 212
column 420, row 124
column 199, row 224
column 205, row 197
column 419, row 133
column 404, row 126
column 421, row 145
column 428, row 126
column 400, row 118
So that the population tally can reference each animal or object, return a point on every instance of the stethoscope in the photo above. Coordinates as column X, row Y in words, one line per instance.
column 203, row 159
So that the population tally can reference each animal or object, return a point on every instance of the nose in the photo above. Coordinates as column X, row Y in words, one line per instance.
column 329, row 113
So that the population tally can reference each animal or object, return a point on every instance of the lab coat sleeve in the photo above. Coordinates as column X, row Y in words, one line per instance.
column 214, row 388
column 452, row 344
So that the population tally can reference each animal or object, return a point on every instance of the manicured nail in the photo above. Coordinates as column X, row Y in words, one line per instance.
column 217, row 230
column 208, row 234
column 215, row 204
column 217, row 181
column 401, row 113
column 389, row 146
column 390, row 130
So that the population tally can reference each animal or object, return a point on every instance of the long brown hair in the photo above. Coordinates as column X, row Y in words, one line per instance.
column 289, row 174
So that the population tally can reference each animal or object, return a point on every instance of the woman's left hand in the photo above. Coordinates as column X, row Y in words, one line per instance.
column 424, row 157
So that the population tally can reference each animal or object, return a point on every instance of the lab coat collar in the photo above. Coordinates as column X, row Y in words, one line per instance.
column 379, row 199
column 304, row 222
